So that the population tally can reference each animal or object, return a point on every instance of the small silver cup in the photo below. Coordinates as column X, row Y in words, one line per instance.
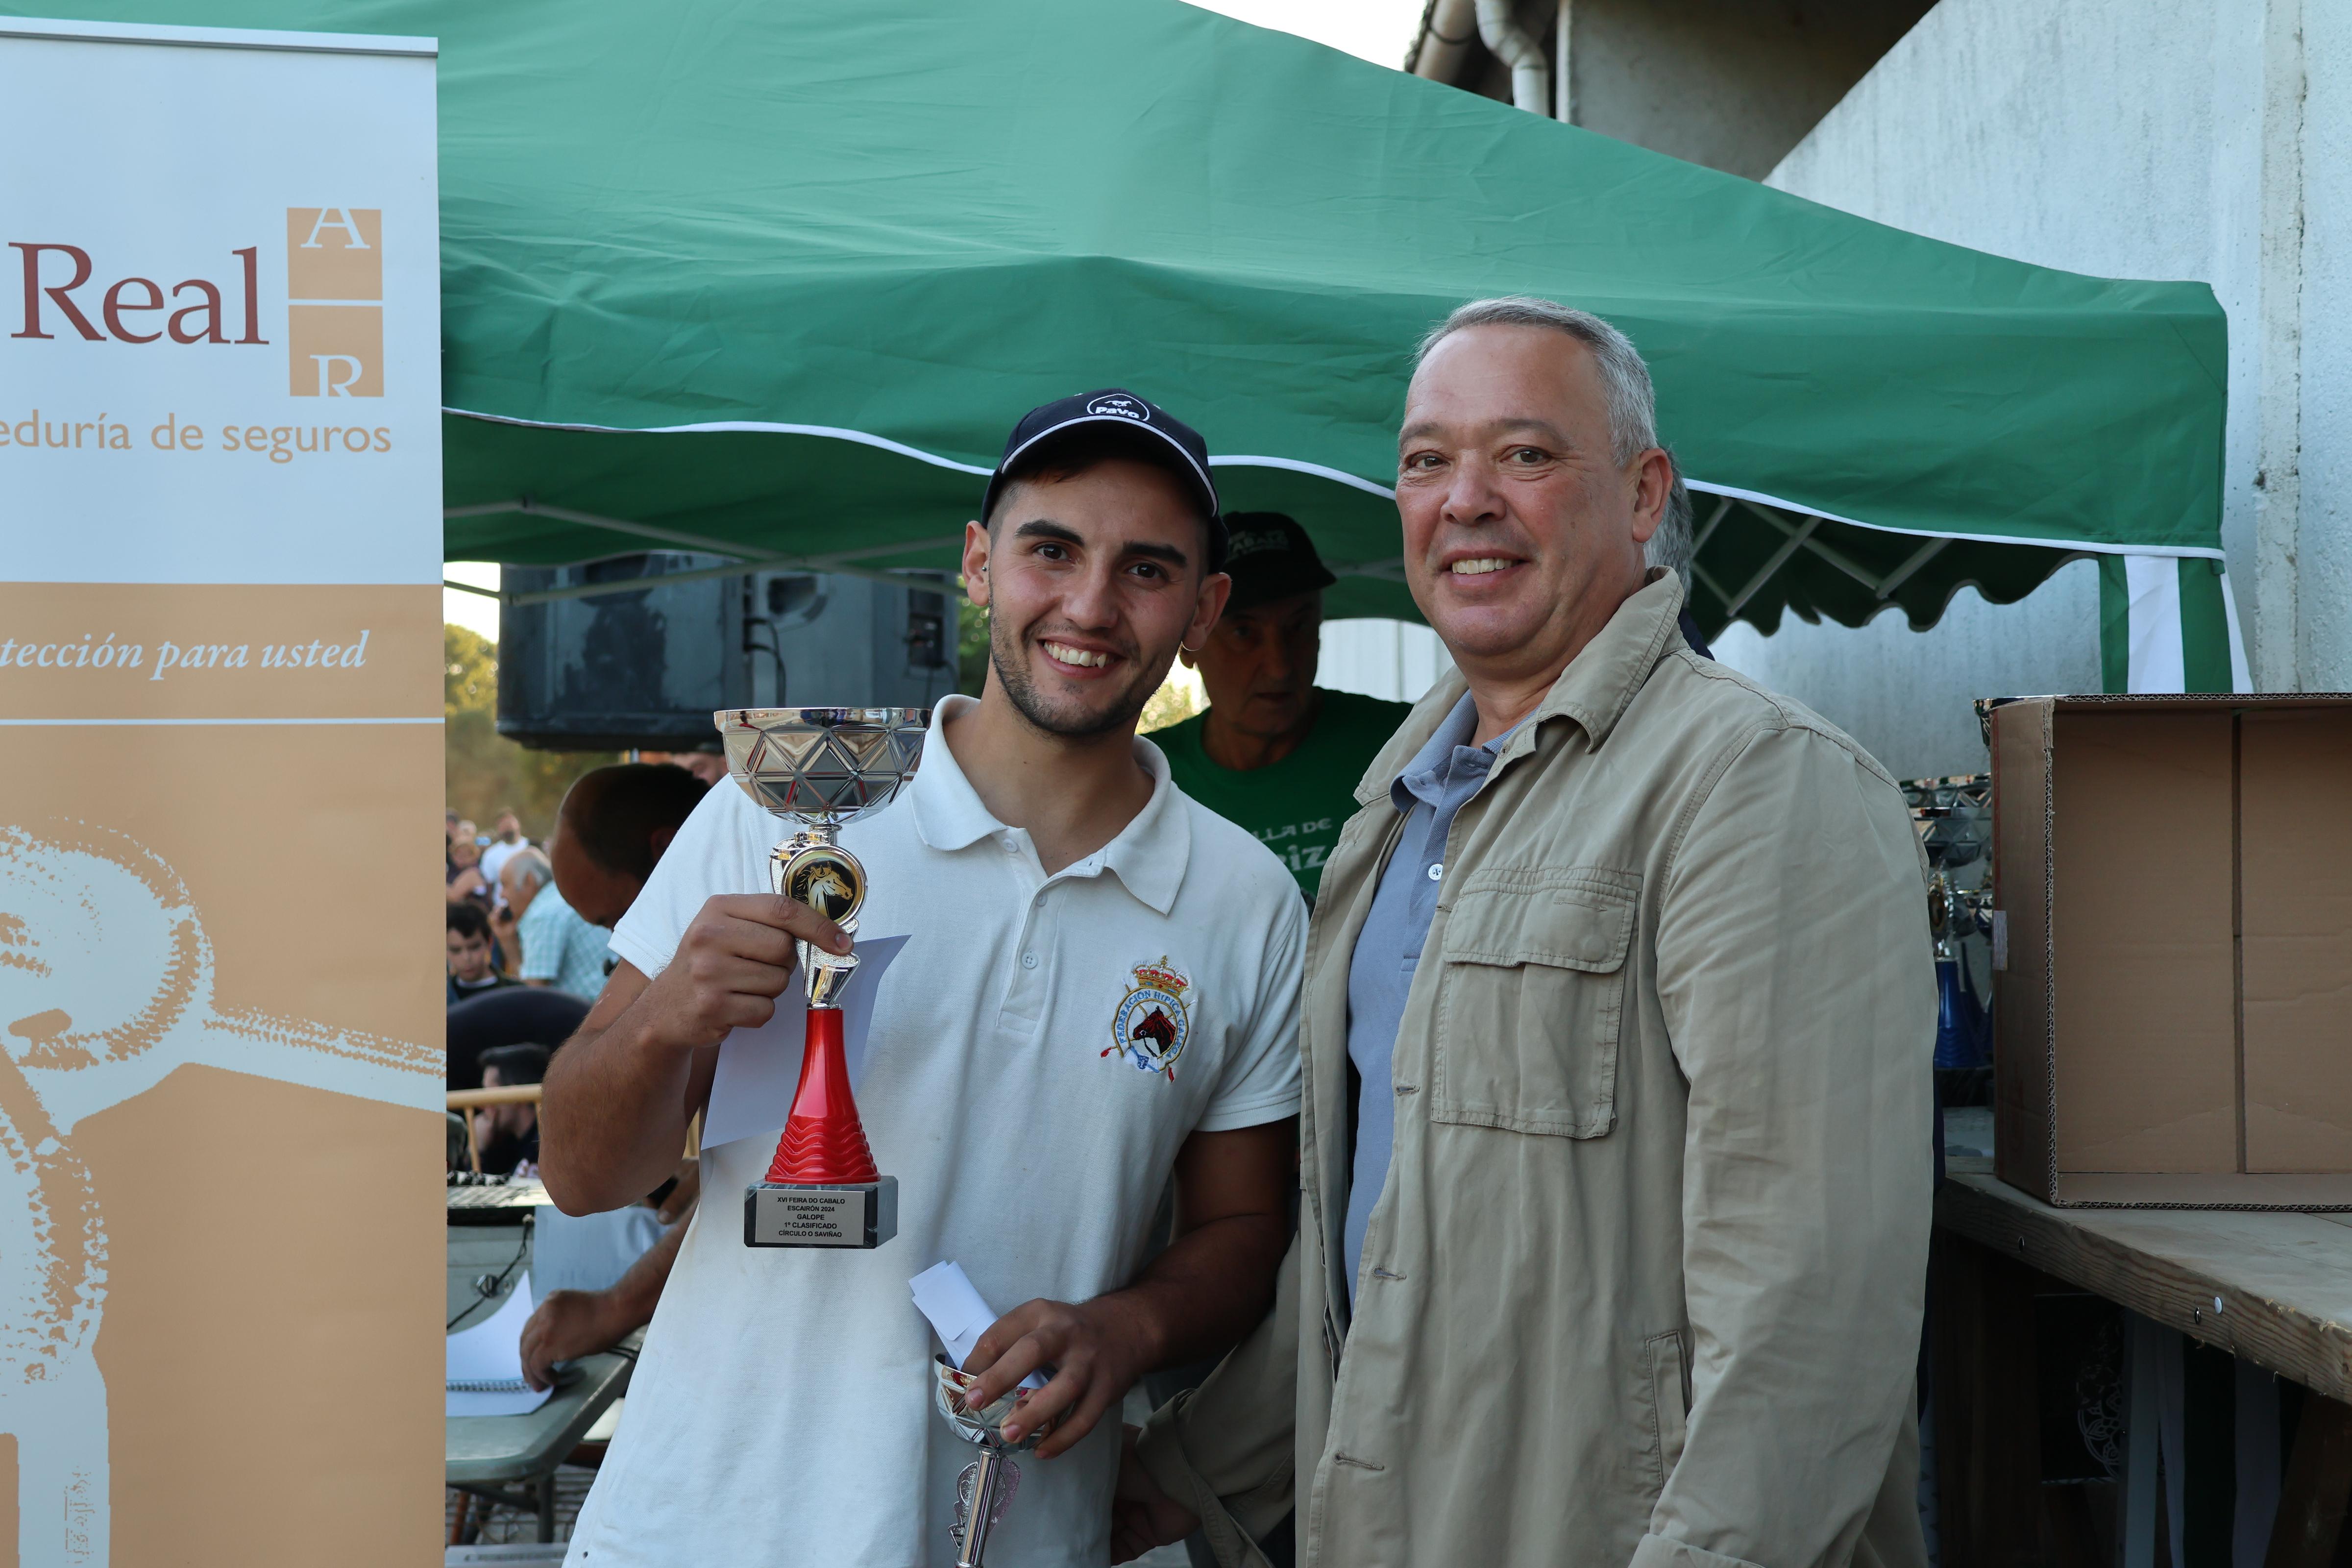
column 986, row 1487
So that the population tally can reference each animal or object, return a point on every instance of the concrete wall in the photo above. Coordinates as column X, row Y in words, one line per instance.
column 2175, row 139
column 1727, row 83
column 1396, row 660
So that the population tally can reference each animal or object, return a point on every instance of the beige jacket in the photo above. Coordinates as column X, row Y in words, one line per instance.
column 1646, row 1280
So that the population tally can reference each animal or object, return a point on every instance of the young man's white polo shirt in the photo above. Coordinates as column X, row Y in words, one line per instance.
column 782, row 1410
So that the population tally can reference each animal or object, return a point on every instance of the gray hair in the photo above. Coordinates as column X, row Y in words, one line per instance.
column 529, row 867
column 1671, row 546
column 1624, row 377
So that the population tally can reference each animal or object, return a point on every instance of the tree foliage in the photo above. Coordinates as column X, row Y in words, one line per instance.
column 485, row 773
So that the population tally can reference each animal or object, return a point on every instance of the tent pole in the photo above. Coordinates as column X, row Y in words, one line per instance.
column 1707, row 580
column 1834, row 557
column 1706, row 530
column 1778, row 559
column 1917, row 559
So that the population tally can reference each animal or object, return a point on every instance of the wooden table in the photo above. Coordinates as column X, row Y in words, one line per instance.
column 2273, row 1289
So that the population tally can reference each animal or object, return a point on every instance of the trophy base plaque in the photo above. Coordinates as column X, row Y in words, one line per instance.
column 845, row 1213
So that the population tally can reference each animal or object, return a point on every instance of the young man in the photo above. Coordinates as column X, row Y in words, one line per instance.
column 470, row 974
column 1275, row 752
column 1043, row 870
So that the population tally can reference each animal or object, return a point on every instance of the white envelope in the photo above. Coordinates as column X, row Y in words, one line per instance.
column 751, row 1092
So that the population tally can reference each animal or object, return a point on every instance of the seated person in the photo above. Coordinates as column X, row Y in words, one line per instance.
column 463, row 881
column 506, row 837
column 599, row 1276
column 509, row 1016
column 610, row 833
column 470, row 974
column 549, row 943
column 508, row 1136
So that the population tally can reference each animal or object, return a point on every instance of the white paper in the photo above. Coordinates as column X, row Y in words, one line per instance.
column 492, row 1352
column 751, row 1090
column 959, row 1315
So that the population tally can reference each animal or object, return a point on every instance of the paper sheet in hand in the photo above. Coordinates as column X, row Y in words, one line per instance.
column 959, row 1315
column 751, row 1092
column 487, row 1359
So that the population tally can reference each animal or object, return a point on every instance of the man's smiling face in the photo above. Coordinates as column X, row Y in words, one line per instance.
column 1519, row 523
column 1091, row 581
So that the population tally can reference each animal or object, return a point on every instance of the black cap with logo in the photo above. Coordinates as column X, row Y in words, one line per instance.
column 1114, row 414
column 1270, row 557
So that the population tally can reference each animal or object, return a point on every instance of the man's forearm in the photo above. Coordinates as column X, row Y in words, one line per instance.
column 1198, row 1298
column 637, row 1292
column 619, row 1092
column 612, row 1115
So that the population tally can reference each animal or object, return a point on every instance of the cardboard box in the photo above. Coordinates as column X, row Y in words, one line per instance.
column 2173, row 945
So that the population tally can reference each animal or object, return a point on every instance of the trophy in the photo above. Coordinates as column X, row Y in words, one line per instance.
column 1953, row 818
column 819, row 768
column 988, row 1483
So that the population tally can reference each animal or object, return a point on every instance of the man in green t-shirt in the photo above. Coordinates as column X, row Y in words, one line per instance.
column 1275, row 752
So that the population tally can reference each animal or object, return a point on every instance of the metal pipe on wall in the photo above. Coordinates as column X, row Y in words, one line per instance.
column 1452, row 25
column 1530, row 76
column 1563, row 86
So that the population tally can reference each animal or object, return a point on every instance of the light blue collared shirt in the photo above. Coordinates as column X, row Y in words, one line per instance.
column 1436, row 784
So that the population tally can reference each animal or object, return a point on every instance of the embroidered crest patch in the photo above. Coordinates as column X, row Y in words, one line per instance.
column 1150, row 1027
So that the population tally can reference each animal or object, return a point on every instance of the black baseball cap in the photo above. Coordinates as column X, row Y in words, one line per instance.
column 1156, row 436
column 1269, row 557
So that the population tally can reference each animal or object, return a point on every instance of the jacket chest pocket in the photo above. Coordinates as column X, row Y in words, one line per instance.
column 1530, row 999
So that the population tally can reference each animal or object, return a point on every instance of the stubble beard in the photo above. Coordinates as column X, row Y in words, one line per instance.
column 1005, row 650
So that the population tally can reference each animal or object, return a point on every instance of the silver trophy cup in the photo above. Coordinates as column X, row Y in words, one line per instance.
column 985, row 1487
column 819, row 768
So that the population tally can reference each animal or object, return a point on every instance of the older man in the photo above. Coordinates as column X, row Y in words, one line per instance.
column 1617, row 1254
column 550, row 943
column 1275, row 752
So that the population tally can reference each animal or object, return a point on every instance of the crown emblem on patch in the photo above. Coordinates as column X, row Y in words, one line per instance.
column 1150, row 1025
column 1159, row 977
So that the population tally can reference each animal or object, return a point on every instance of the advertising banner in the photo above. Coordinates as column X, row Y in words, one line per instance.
column 221, row 1250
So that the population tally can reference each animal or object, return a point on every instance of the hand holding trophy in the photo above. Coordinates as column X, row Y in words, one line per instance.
column 821, row 768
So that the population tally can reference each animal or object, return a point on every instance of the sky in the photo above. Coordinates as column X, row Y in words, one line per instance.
column 1376, row 30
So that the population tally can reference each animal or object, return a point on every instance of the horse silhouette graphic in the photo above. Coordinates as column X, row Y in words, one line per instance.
column 106, row 986
column 1156, row 1028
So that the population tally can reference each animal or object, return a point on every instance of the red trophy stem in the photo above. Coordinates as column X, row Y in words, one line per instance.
column 824, row 1144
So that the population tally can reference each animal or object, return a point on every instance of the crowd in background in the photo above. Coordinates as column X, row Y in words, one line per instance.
column 528, row 928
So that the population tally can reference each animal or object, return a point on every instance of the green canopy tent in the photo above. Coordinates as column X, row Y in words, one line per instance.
column 773, row 282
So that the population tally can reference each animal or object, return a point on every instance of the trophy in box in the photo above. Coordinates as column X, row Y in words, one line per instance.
column 819, row 768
